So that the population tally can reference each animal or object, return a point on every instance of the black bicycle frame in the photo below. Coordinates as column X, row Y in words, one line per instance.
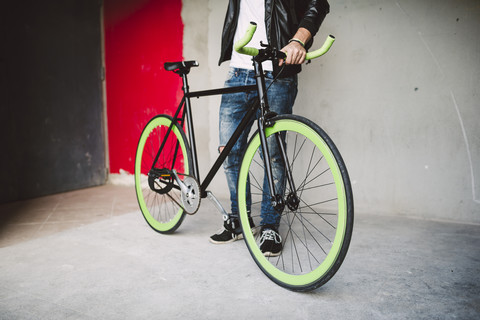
column 261, row 104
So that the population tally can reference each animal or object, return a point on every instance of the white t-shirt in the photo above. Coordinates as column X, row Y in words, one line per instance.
column 250, row 10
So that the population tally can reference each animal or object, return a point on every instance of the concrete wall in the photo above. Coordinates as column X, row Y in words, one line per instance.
column 398, row 94
column 201, row 41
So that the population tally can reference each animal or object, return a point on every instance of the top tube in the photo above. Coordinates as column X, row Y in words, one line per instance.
column 240, row 45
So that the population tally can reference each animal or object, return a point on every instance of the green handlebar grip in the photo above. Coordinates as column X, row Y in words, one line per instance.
column 240, row 45
column 320, row 52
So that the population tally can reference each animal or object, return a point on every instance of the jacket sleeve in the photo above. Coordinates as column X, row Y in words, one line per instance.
column 314, row 15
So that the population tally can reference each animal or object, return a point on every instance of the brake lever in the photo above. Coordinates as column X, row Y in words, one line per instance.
column 280, row 55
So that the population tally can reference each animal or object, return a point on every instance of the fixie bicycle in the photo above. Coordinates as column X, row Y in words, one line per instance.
column 289, row 159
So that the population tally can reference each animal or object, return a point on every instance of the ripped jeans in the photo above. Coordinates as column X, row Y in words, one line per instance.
column 281, row 97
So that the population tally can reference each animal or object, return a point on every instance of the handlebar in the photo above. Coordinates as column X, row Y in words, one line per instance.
column 240, row 45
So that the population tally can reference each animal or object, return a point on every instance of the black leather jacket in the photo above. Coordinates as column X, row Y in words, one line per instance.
column 282, row 20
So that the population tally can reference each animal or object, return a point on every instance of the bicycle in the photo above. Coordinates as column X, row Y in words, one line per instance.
column 288, row 155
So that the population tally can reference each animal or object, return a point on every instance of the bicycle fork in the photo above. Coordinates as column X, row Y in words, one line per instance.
column 277, row 200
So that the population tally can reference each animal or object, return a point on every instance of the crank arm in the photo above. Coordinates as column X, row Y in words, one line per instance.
column 180, row 182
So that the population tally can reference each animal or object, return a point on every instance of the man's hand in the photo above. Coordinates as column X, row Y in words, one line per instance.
column 295, row 51
column 295, row 54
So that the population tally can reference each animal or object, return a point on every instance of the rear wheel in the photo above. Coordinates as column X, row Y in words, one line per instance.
column 158, row 194
column 316, row 221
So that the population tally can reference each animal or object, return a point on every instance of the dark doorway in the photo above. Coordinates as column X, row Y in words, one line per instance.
column 52, row 131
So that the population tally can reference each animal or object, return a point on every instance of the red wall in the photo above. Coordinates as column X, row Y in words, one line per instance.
column 140, row 35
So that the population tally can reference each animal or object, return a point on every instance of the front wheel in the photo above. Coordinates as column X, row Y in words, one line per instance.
column 158, row 194
column 315, row 220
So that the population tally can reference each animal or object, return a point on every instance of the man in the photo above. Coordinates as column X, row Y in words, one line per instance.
column 286, row 24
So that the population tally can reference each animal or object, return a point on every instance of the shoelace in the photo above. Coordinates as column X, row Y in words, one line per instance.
column 270, row 234
column 229, row 228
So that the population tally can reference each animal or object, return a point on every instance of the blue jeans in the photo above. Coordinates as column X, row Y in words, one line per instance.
column 281, row 97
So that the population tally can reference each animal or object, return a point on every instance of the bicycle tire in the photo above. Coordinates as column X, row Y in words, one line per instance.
column 160, row 205
column 316, row 235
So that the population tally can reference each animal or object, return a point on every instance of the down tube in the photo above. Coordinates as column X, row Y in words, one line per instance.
column 228, row 147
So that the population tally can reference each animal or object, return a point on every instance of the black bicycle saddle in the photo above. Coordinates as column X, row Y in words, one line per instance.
column 180, row 67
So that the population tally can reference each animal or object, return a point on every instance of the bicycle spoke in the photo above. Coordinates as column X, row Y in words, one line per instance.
column 292, row 232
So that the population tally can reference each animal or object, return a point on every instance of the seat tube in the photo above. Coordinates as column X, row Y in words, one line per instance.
column 262, row 95
column 191, row 133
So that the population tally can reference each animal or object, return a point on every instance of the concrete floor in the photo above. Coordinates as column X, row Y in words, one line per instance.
column 89, row 254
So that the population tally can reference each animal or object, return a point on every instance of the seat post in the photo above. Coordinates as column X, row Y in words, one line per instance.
column 185, row 86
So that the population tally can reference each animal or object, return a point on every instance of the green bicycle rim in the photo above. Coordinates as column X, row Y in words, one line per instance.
column 323, row 269
column 154, row 123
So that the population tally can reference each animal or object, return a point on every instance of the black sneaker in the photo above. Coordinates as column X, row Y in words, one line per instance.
column 270, row 242
column 231, row 231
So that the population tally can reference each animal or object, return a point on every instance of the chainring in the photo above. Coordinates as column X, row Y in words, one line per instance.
column 191, row 198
